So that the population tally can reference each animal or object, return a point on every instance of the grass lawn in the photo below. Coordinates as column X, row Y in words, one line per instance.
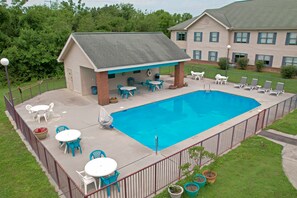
column 236, row 74
column 254, row 169
column 288, row 124
column 21, row 176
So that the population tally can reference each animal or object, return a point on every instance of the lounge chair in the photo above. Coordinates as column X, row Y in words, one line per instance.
column 242, row 83
column 253, row 85
column 104, row 119
column 266, row 88
column 278, row 90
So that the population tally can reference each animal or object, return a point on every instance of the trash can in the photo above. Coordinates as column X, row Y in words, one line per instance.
column 94, row 90
column 157, row 76
column 130, row 81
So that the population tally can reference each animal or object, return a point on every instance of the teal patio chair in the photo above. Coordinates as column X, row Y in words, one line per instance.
column 161, row 84
column 61, row 128
column 119, row 89
column 97, row 154
column 125, row 93
column 109, row 180
column 74, row 145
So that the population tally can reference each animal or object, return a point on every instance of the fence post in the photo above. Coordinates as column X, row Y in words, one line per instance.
column 69, row 186
column 284, row 108
column 232, row 137
column 125, row 186
column 276, row 112
column 155, row 178
column 290, row 104
column 218, row 144
column 57, row 175
column 179, row 171
column 267, row 116
column 245, row 128
column 256, row 128
column 44, row 150
column 263, row 119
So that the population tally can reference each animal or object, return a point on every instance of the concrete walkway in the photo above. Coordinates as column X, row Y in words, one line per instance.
column 289, row 153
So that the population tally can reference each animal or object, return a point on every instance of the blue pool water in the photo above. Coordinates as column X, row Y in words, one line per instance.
column 176, row 119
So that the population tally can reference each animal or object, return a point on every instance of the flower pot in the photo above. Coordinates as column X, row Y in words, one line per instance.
column 211, row 176
column 191, row 189
column 175, row 191
column 113, row 100
column 172, row 87
column 41, row 132
column 200, row 180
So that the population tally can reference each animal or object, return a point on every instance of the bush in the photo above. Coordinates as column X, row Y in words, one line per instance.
column 242, row 63
column 288, row 71
column 223, row 63
column 259, row 65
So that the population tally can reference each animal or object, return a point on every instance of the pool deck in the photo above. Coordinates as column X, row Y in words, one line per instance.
column 81, row 112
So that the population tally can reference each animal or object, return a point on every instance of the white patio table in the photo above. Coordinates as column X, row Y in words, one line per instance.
column 157, row 83
column 68, row 136
column 100, row 167
column 37, row 108
column 128, row 88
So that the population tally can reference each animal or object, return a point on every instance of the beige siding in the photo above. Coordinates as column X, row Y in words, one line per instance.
column 207, row 25
column 74, row 60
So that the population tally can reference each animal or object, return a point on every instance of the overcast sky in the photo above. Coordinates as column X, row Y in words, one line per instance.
column 194, row 7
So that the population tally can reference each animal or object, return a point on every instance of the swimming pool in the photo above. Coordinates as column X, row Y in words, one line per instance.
column 176, row 119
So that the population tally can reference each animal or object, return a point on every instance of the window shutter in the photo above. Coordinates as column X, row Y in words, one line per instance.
column 259, row 38
column 201, row 36
column 274, row 37
column 216, row 53
column 185, row 36
column 195, row 36
column 256, row 58
column 271, row 61
column 177, row 36
column 283, row 61
column 200, row 55
column 235, row 34
column 248, row 38
column 194, row 54
column 210, row 37
column 288, row 38
column 218, row 38
column 209, row 55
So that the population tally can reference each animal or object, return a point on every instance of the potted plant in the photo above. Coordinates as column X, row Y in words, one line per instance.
column 172, row 86
column 175, row 191
column 41, row 132
column 186, row 84
column 210, row 174
column 113, row 100
column 191, row 188
column 197, row 153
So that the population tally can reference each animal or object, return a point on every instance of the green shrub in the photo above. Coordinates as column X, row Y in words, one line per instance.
column 288, row 71
column 259, row 65
column 223, row 63
column 242, row 63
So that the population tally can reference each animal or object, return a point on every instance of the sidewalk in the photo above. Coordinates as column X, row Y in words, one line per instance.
column 289, row 153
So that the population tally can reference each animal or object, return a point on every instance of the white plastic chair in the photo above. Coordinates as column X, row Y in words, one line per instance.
column 41, row 114
column 224, row 80
column 218, row 79
column 28, row 108
column 86, row 180
column 51, row 107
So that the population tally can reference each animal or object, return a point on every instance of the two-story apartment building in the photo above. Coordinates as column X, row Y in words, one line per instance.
column 257, row 29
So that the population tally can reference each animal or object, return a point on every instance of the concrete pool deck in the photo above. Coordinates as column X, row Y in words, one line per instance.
column 81, row 112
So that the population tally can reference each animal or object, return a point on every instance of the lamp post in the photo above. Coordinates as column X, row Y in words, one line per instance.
column 227, row 65
column 5, row 62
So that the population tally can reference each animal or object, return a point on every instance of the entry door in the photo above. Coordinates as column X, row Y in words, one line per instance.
column 69, row 79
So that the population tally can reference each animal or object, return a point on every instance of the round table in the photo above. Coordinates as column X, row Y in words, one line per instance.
column 100, row 167
column 68, row 136
column 155, row 82
column 39, row 108
column 128, row 88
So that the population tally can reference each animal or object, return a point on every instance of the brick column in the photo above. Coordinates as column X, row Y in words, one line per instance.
column 179, row 75
column 102, row 88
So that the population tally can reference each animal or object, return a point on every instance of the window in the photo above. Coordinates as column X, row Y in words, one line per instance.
column 291, row 38
column 136, row 72
column 184, row 50
column 181, row 36
column 266, row 38
column 241, row 37
column 198, row 36
column 266, row 58
column 237, row 56
column 197, row 54
column 111, row 76
column 212, row 56
column 290, row 61
column 214, row 37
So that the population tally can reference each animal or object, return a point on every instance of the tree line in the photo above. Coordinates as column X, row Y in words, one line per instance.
column 33, row 37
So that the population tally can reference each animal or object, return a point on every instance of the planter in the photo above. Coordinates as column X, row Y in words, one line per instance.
column 41, row 132
column 175, row 191
column 113, row 100
column 172, row 87
column 200, row 180
column 211, row 176
column 191, row 189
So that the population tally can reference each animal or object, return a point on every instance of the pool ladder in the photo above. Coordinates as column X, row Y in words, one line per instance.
column 205, row 88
